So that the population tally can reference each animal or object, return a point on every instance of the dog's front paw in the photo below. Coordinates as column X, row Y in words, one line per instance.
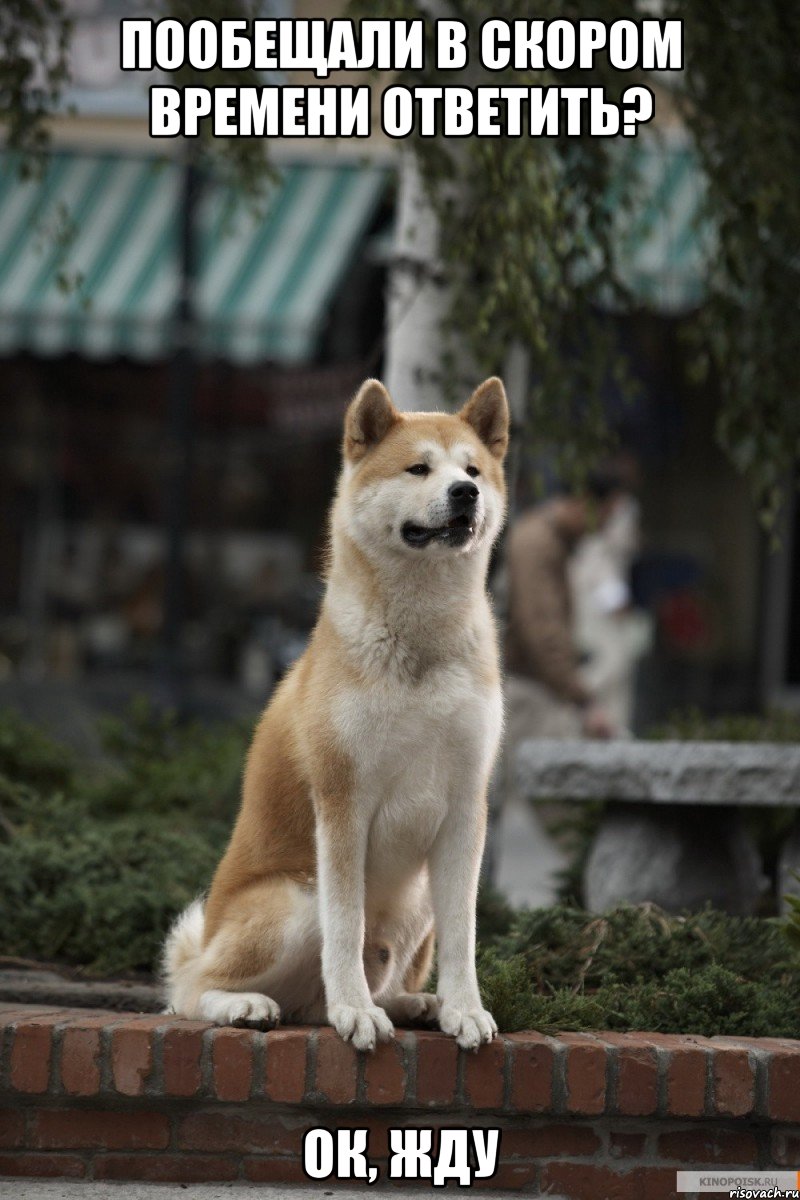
column 468, row 1025
column 361, row 1026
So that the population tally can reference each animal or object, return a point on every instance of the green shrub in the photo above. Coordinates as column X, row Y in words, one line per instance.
column 710, row 1002
column 160, row 765
column 567, row 947
column 30, row 756
column 100, row 894
column 692, row 725
column 95, row 863
column 637, row 968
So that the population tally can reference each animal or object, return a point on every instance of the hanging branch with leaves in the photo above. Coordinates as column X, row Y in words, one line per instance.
column 532, row 213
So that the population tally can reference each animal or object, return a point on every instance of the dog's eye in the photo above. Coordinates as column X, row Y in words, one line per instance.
column 472, row 471
column 419, row 469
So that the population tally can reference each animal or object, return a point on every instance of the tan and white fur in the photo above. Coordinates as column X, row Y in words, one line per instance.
column 363, row 814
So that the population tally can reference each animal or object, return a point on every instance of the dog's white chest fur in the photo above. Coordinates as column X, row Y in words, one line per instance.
column 414, row 748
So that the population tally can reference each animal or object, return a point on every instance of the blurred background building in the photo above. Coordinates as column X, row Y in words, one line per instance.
column 138, row 433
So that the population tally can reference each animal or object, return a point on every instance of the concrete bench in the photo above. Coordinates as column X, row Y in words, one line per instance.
column 672, row 831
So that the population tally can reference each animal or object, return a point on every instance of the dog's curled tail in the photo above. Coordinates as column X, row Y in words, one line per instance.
column 182, row 950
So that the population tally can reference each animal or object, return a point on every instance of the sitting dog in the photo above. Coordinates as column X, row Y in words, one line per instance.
column 363, row 814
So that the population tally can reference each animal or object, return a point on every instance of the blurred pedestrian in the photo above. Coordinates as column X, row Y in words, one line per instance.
column 546, row 693
column 611, row 633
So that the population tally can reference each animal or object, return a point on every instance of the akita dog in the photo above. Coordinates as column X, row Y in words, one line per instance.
column 363, row 814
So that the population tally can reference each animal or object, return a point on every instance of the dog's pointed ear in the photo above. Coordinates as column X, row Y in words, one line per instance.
column 369, row 418
column 487, row 412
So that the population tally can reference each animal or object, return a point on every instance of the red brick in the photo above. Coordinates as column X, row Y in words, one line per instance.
column 41, row 1166
column 484, row 1072
column 512, row 1177
column 784, row 1085
column 285, row 1079
column 166, row 1168
column 337, row 1064
column 73, row 1129
column 751, row 1043
column 630, row 1037
column 80, row 1061
column 11, row 1013
column 219, row 1132
column 232, row 1063
column 385, row 1073
column 709, row 1147
column 734, row 1083
column 687, row 1072
column 584, row 1182
column 785, row 1148
column 131, row 1059
column 672, row 1041
column 31, row 1054
column 550, row 1141
column 12, row 1128
column 637, row 1074
column 90, row 1018
column 658, row 1183
column 182, row 1048
column 532, row 1059
column 274, row 1170
column 626, row 1145
column 437, row 1061
column 585, row 1074
column 377, row 1130
column 581, row 1181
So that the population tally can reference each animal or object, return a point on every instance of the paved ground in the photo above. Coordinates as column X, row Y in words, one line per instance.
column 24, row 1189
column 527, row 858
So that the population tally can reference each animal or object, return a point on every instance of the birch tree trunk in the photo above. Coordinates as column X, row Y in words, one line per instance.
column 418, row 298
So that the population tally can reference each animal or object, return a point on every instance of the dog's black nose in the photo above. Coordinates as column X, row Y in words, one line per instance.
column 462, row 494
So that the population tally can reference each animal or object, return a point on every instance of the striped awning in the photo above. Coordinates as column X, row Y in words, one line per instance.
column 663, row 244
column 89, row 257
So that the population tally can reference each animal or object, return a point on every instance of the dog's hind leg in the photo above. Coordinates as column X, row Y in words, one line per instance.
column 250, row 1009
column 419, row 968
column 411, row 1003
column 262, row 958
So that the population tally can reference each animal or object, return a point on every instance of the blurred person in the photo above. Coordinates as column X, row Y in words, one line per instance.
column 611, row 634
column 547, row 695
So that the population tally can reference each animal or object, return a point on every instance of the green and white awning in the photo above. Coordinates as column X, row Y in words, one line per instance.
column 89, row 258
column 89, row 252
column 662, row 243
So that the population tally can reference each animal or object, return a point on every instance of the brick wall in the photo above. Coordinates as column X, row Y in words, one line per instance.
column 102, row 1095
